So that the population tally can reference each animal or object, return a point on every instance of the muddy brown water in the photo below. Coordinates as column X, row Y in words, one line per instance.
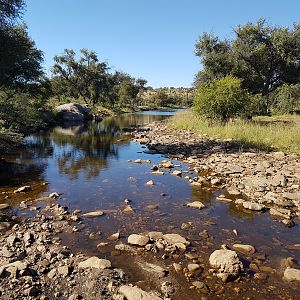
column 90, row 165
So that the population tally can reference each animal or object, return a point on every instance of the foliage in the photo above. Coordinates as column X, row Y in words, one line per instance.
column 221, row 99
column 280, row 132
column 287, row 99
column 20, row 60
column 262, row 56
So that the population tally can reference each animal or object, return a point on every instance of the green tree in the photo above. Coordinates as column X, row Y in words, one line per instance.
column 85, row 77
column 262, row 56
column 222, row 99
column 287, row 98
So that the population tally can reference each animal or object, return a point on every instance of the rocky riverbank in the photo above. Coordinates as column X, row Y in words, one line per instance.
column 35, row 265
column 259, row 181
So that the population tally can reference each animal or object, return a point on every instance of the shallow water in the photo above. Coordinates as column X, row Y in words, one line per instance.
column 92, row 166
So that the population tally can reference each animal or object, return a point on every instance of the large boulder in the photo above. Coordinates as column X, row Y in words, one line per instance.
column 74, row 112
column 227, row 263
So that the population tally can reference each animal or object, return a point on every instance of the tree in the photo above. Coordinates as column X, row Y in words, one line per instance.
column 262, row 56
column 20, row 60
column 287, row 98
column 86, row 77
column 222, row 99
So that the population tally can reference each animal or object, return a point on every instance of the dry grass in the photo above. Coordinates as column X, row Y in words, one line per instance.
column 279, row 132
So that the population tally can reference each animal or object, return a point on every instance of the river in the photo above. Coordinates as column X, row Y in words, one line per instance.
column 92, row 167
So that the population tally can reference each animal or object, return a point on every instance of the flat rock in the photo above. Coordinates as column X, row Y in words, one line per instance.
column 177, row 173
column 96, row 213
column 95, row 262
column 151, row 268
column 196, row 204
column 174, row 238
column 247, row 249
column 135, row 293
column 155, row 235
column 291, row 274
column 137, row 239
column 253, row 206
column 23, row 189
column 150, row 182
column 4, row 206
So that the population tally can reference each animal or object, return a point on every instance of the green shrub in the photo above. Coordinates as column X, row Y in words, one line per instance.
column 222, row 99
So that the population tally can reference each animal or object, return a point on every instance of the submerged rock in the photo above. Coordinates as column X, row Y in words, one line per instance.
column 96, row 213
column 253, row 206
column 173, row 239
column 196, row 204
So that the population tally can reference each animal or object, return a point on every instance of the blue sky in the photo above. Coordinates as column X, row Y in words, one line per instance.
column 153, row 39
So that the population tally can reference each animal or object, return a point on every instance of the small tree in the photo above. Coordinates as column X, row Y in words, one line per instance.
column 222, row 99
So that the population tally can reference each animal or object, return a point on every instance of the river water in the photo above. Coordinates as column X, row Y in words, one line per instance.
column 93, row 167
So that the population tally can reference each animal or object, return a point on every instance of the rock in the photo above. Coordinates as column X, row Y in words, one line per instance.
column 234, row 192
column 95, row 262
column 281, row 212
column 151, row 268
column 64, row 270
column 193, row 267
column 155, row 235
column 150, row 182
column 154, row 168
column 102, row 244
column 23, row 189
column 96, row 213
column 158, row 172
column 54, row 195
column 174, row 239
column 135, row 293
column 278, row 180
column 177, row 267
column 123, row 247
column 137, row 239
column 253, row 206
column 4, row 206
column 196, row 204
column 138, row 161
column 114, row 237
column 291, row 274
column 217, row 181
column 227, row 262
column 152, row 207
column 74, row 112
column 28, row 238
column 128, row 209
column 292, row 196
column 177, row 173
column 200, row 286
column 167, row 164
column 246, row 249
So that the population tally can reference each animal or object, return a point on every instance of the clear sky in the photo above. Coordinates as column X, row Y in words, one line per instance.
column 153, row 39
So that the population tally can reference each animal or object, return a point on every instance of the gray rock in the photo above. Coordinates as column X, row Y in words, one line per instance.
column 174, row 239
column 4, row 206
column 253, row 206
column 291, row 274
column 227, row 263
column 137, row 239
column 73, row 112
column 247, row 249
column 151, row 268
column 196, row 204
column 135, row 293
column 95, row 262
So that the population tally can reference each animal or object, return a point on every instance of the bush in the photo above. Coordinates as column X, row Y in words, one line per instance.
column 222, row 99
column 287, row 99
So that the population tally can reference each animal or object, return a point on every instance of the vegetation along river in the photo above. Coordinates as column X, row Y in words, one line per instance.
column 93, row 168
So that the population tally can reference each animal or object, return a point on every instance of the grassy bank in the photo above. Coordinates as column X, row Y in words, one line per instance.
column 280, row 132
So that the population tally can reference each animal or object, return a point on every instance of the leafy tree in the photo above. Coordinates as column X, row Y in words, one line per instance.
column 262, row 56
column 85, row 77
column 20, row 60
column 222, row 99
column 287, row 98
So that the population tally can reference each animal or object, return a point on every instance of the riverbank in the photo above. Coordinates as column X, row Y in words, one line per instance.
column 264, row 180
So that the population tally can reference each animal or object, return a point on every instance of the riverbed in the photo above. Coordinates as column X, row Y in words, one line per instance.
column 93, row 167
